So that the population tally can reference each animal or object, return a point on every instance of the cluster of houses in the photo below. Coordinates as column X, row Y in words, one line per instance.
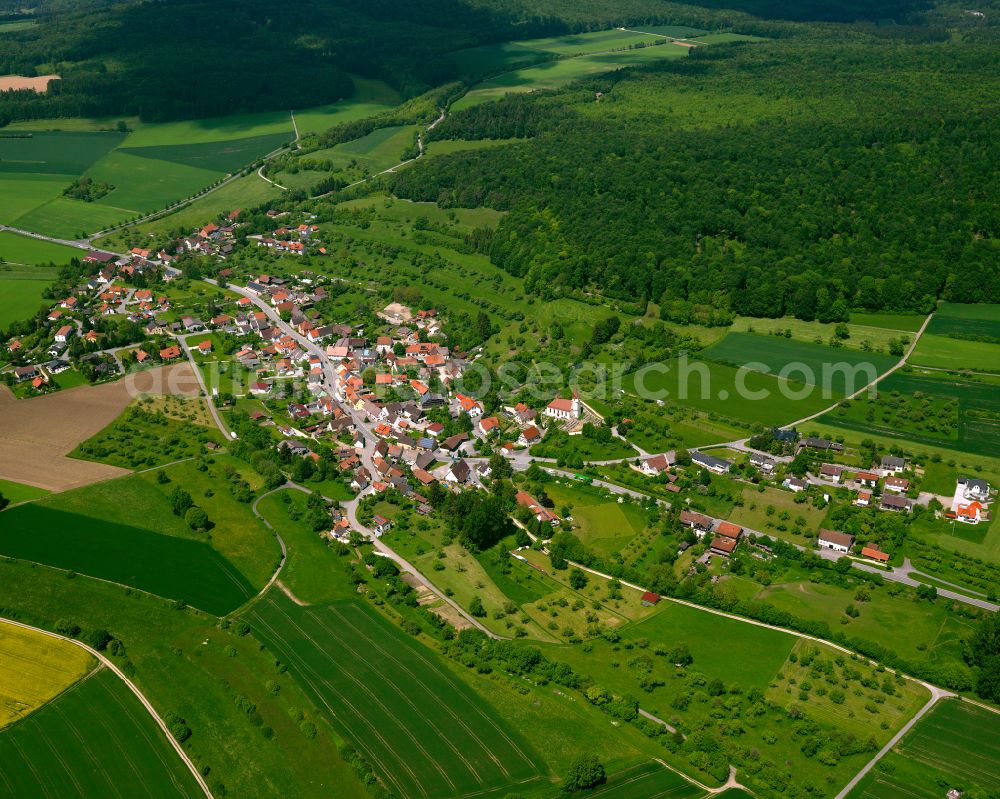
column 725, row 535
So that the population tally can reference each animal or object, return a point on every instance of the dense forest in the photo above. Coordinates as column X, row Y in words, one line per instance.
column 177, row 59
column 794, row 177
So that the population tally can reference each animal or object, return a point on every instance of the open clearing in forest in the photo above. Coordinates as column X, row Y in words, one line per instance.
column 41, row 431
column 421, row 729
column 35, row 668
column 96, row 739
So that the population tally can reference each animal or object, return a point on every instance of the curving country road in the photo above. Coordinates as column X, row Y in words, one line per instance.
column 132, row 687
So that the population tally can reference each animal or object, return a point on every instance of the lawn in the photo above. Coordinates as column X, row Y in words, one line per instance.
column 18, row 250
column 20, row 299
column 94, row 740
column 174, row 568
column 422, row 730
column 19, row 492
column 956, row 745
column 35, row 669
column 837, row 371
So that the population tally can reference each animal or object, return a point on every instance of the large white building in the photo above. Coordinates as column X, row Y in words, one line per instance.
column 561, row 408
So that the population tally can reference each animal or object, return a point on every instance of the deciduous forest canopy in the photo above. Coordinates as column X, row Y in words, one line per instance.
column 799, row 176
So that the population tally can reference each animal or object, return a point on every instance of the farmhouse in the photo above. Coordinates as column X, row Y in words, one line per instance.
column 729, row 530
column 658, row 463
column 764, row 463
column 22, row 373
column 380, row 524
column 831, row 471
column 710, row 462
column 812, row 442
column 837, row 541
column 170, row 353
column 458, row 472
column 64, row 333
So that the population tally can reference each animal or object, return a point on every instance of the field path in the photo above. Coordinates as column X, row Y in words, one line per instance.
column 936, row 695
column 227, row 434
column 899, row 365
column 139, row 695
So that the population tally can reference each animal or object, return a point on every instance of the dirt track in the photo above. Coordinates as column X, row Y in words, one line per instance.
column 36, row 434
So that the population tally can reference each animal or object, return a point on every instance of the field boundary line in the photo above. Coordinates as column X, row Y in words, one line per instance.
column 132, row 687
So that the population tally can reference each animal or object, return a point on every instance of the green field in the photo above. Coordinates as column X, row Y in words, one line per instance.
column 95, row 739
column 68, row 218
column 171, row 567
column 874, row 336
column 18, row 250
column 971, row 425
column 56, row 153
column 838, row 372
column 645, row 781
column 423, row 731
column 955, row 746
column 20, row 299
column 908, row 322
column 950, row 340
column 715, row 388
column 20, row 192
column 19, row 492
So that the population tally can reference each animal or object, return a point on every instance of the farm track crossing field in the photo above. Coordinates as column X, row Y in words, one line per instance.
column 95, row 740
column 950, row 343
column 174, row 568
column 646, row 781
column 34, row 668
column 956, row 744
column 423, row 732
column 801, row 361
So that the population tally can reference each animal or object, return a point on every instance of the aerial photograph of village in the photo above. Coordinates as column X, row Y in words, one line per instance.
column 499, row 399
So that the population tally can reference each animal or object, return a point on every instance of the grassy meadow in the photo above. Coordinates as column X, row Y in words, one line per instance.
column 20, row 492
column 96, row 739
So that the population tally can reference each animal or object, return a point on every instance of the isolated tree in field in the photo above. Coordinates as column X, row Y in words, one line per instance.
column 577, row 579
column 586, row 772
column 476, row 608
column 196, row 518
column 4, row 502
column 180, row 501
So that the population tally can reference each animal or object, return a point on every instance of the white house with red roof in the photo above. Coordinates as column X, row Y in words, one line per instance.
column 564, row 409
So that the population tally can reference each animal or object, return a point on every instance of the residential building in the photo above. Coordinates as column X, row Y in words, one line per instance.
column 837, row 541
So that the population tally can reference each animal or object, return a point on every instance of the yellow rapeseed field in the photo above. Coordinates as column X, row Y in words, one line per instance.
column 33, row 669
